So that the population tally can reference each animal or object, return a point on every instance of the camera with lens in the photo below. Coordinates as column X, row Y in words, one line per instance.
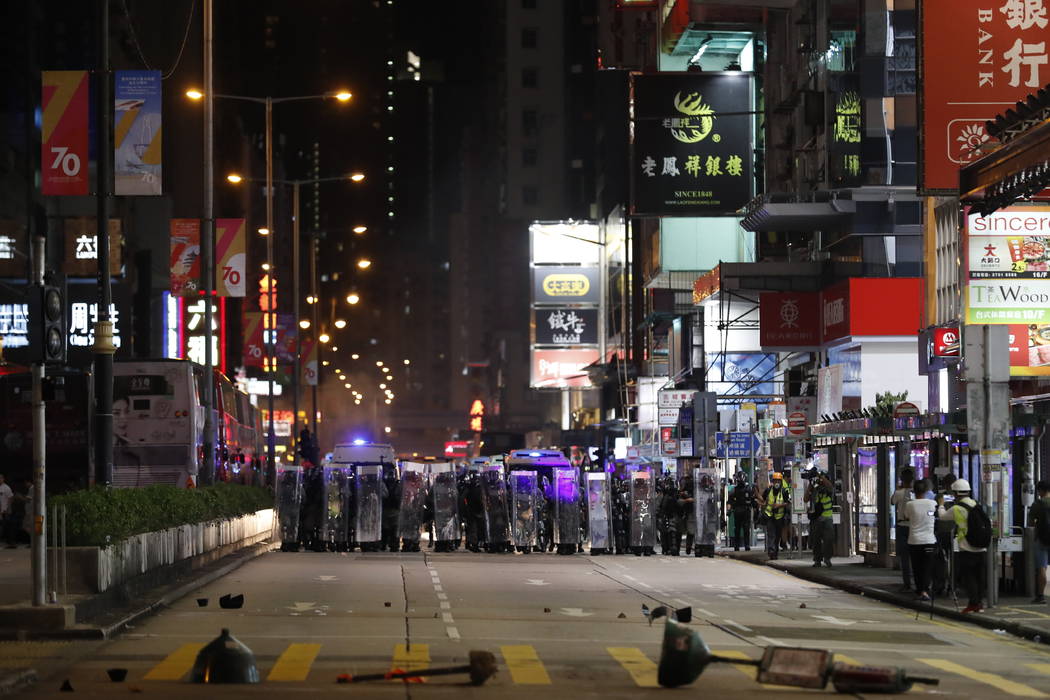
column 810, row 472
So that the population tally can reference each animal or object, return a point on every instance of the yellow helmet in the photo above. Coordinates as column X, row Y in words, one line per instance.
column 777, row 476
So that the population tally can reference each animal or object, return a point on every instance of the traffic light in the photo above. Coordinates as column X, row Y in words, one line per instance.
column 47, row 324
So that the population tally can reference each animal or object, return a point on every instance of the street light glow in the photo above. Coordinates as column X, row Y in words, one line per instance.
column 360, row 229
column 340, row 323
column 408, row 362
column 234, row 178
column 387, row 401
column 304, row 324
column 355, row 356
column 347, row 385
column 311, row 299
column 352, row 298
column 379, row 363
column 357, row 177
column 364, row 263
column 264, row 231
column 387, row 429
column 343, row 96
column 382, row 386
column 324, row 337
column 266, row 266
column 194, row 94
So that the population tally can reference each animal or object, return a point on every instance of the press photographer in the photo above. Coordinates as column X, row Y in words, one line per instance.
column 819, row 497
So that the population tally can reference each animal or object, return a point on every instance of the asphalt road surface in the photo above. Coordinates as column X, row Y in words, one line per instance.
column 554, row 623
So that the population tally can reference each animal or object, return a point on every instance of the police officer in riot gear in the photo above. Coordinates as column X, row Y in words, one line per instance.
column 667, row 516
column 474, row 512
column 391, row 507
column 621, row 509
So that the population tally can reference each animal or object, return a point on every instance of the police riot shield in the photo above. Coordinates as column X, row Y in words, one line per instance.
column 494, row 498
column 566, row 505
column 444, row 492
column 289, row 496
column 413, row 500
column 706, row 502
column 643, row 516
column 523, row 508
column 334, row 523
column 368, row 504
column 599, row 510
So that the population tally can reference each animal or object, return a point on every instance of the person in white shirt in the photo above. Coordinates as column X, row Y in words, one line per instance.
column 7, row 497
column 921, row 513
column 898, row 500
column 971, row 559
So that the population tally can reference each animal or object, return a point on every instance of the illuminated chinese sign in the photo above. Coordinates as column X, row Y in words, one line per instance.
column 692, row 143
column 566, row 326
column 978, row 59
column 477, row 415
column 562, row 284
column 846, row 131
column 81, row 239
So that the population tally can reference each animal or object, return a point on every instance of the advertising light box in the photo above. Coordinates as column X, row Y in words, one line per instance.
column 565, row 242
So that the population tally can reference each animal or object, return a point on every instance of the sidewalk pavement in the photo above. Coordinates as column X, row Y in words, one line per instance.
column 1014, row 614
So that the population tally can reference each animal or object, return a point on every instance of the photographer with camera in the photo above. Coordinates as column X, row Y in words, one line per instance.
column 820, row 494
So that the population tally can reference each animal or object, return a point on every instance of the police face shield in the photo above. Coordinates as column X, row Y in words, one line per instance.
column 523, row 508
column 706, row 505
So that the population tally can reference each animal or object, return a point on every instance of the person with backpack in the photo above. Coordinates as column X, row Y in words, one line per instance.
column 1039, row 518
column 973, row 533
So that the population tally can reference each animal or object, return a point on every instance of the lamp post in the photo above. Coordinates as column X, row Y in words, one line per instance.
column 296, row 286
column 208, row 259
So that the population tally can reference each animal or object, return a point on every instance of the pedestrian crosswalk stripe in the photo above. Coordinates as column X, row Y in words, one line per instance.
column 411, row 658
column 524, row 665
column 749, row 671
column 1042, row 668
column 992, row 679
column 294, row 663
column 640, row 666
column 175, row 665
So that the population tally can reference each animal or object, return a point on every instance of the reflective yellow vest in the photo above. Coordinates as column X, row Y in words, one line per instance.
column 775, row 497
column 823, row 505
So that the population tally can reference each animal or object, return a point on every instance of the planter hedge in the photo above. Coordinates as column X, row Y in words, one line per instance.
column 99, row 517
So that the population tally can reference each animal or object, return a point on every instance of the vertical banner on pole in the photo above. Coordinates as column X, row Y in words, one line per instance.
column 185, row 257
column 64, row 134
column 230, row 257
column 137, row 133
column 308, row 352
column 254, row 343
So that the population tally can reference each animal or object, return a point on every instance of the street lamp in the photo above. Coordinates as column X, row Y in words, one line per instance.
column 352, row 298
column 357, row 177
column 208, row 259
column 340, row 324
column 360, row 229
column 364, row 263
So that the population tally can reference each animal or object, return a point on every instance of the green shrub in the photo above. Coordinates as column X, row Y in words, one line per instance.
column 99, row 517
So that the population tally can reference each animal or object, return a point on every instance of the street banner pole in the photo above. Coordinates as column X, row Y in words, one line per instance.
column 38, row 534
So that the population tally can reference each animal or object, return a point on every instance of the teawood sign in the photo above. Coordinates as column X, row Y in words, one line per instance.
column 692, row 143
column 565, row 284
column 565, row 326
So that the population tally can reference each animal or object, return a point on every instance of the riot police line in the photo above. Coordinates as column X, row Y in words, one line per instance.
column 495, row 509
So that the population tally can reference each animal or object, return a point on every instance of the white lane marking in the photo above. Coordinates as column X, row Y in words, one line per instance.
column 535, row 582
column 770, row 641
column 453, row 633
column 447, row 618
column 302, row 607
column 438, row 588
column 445, row 605
column 575, row 612
column 832, row 620
column 704, row 612
column 643, row 583
column 682, row 601
column 442, row 596
column 739, row 626
column 327, row 578
column 628, row 576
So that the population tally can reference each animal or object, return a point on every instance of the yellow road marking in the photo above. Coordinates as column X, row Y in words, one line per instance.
column 524, row 665
column 175, row 665
column 847, row 660
column 641, row 668
column 1027, row 611
column 414, row 658
column 1042, row 668
column 1038, row 649
column 749, row 671
column 294, row 664
column 992, row 679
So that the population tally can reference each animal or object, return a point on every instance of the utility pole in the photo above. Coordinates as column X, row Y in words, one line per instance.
column 208, row 250
column 103, row 348
column 39, row 533
column 271, row 438
column 295, row 312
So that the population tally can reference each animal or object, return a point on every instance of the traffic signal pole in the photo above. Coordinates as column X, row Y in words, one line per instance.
column 38, row 535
